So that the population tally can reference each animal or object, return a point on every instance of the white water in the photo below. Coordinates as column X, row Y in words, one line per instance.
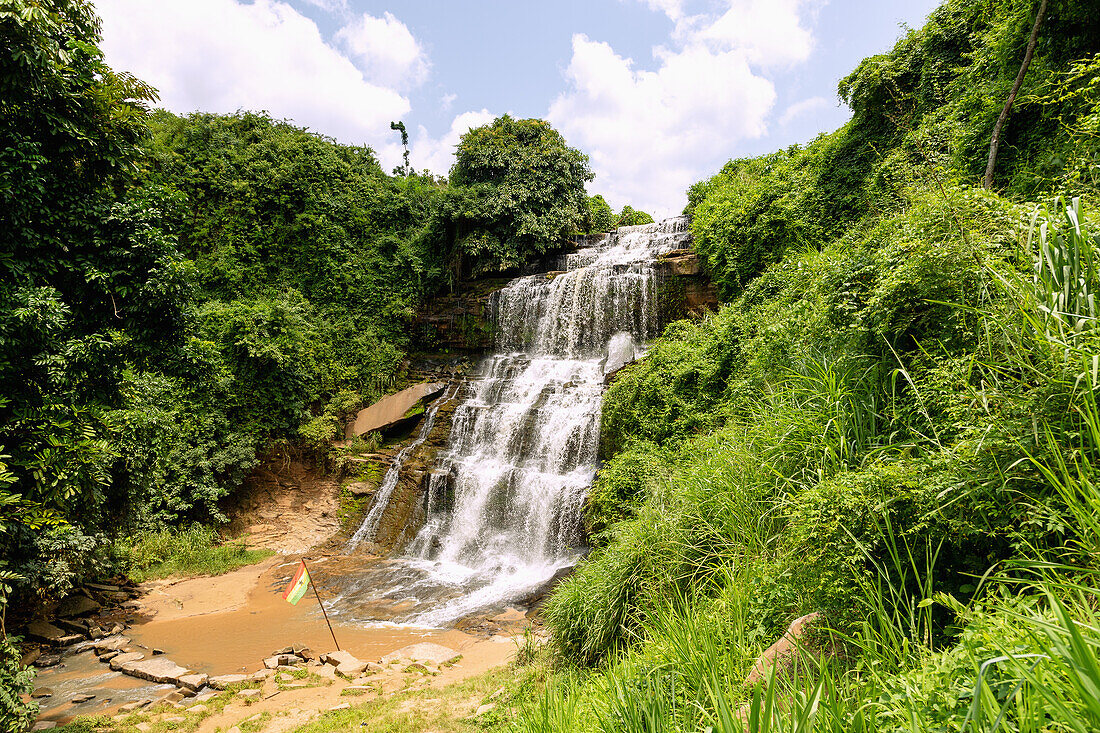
column 504, row 499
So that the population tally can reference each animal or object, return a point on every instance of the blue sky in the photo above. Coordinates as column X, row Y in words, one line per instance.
column 659, row 93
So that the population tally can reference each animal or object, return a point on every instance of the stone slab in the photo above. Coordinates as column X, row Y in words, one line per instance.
column 77, row 605
column 45, row 632
column 391, row 408
column 125, row 658
column 192, row 681
column 222, row 682
column 426, row 652
column 158, row 669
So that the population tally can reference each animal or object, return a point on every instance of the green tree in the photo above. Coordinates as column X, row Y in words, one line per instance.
column 88, row 281
column 630, row 217
column 600, row 216
column 518, row 192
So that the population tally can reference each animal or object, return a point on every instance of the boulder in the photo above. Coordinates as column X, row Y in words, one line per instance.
column 487, row 707
column 338, row 658
column 361, row 488
column 72, row 626
column 110, row 644
column 341, row 706
column 281, row 660
column 77, row 604
column 77, row 699
column 391, row 409
column 45, row 632
column 40, row 692
column 44, row 725
column 47, row 660
column 782, row 653
column 427, row 652
column 250, row 694
column 103, row 587
column 351, row 669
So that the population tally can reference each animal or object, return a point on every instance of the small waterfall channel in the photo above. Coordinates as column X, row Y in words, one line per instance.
column 504, row 497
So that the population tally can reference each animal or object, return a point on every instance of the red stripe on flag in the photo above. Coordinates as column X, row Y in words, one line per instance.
column 295, row 579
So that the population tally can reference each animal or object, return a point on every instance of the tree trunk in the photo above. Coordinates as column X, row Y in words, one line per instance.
column 995, row 142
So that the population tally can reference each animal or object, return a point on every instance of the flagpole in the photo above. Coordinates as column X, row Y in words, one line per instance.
column 315, row 593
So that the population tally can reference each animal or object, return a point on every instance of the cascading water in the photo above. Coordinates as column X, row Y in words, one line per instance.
column 504, row 498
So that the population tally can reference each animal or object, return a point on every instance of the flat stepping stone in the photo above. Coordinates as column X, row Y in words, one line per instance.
column 125, row 658
column 157, row 669
column 192, row 681
column 222, row 682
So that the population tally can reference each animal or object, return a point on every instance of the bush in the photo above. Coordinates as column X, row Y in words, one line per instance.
column 16, row 716
column 186, row 552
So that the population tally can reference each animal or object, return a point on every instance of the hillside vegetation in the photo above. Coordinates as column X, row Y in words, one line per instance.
column 182, row 298
column 892, row 421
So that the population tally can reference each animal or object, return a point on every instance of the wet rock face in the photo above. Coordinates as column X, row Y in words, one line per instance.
column 405, row 512
column 458, row 321
column 686, row 289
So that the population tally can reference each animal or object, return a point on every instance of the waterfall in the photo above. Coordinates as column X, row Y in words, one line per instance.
column 504, row 497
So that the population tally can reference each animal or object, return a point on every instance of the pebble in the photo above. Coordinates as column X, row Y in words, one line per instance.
column 45, row 725
column 343, row 706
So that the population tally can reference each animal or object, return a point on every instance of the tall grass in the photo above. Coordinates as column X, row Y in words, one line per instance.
column 672, row 611
column 186, row 552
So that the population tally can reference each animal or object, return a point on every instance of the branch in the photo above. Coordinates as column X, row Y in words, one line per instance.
column 995, row 142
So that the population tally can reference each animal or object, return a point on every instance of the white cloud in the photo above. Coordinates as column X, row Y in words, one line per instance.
column 386, row 50
column 447, row 101
column 331, row 6
column 437, row 154
column 770, row 32
column 804, row 107
column 674, row 9
column 221, row 56
column 652, row 133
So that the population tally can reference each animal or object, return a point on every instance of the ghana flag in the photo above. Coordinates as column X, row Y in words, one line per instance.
column 299, row 584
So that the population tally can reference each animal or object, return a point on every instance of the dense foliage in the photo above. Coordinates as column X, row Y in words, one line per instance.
column 891, row 421
column 182, row 297
column 516, row 191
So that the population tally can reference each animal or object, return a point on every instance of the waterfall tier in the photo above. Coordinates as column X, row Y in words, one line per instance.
column 504, row 498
